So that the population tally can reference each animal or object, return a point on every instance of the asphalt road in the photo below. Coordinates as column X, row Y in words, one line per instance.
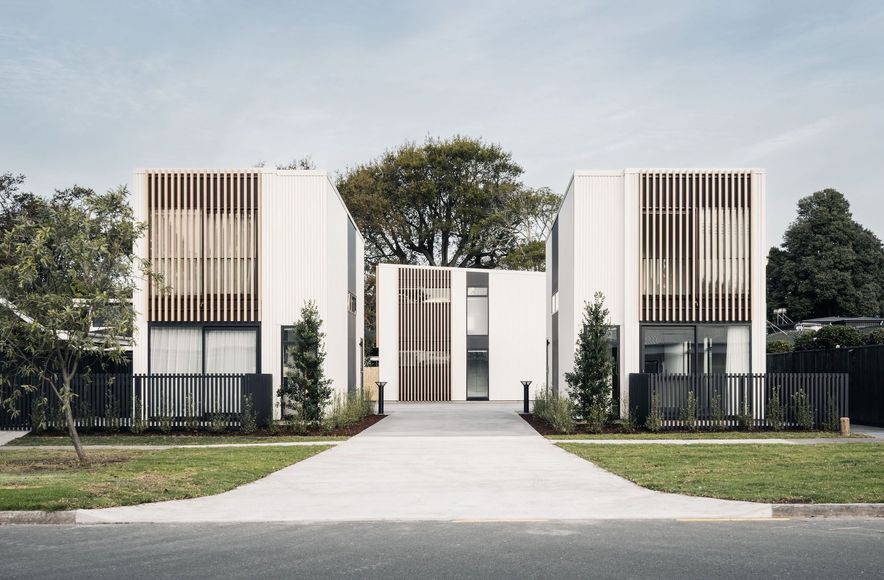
column 603, row 549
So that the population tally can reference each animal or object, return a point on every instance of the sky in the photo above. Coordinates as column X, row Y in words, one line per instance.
column 91, row 90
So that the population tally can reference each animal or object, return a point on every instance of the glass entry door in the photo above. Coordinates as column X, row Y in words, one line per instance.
column 477, row 374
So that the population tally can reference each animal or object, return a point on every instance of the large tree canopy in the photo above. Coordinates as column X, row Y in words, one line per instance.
column 456, row 202
column 829, row 265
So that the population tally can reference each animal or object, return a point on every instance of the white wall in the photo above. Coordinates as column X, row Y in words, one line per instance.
column 304, row 257
column 759, row 273
column 516, row 324
column 387, row 328
column 567, row 311
column 459, row 335
column 516, row 333
column 139, row 296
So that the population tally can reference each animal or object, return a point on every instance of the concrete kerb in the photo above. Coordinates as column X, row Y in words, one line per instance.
column 829, row 510
column 38, row 517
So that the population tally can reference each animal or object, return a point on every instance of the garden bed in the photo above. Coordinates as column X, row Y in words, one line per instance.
column 613, row 432
column 279, row 435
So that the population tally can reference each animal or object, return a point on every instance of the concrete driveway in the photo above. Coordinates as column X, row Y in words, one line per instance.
column 442, row 461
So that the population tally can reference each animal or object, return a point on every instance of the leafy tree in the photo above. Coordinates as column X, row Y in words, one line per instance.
column 838, row 336
column 875, row 337
column 775, row 346
column 306, row 391
column 805, row 340
column 448, row 202
column 589, row 384
column 829, row 265
column 65, row 264
column 305, row 162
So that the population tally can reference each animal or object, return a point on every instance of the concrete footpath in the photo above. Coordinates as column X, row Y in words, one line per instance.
column 451, row 461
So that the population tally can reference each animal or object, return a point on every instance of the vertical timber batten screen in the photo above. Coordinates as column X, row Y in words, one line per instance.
column 203, row 242
column 424, row 334
column 695, row 243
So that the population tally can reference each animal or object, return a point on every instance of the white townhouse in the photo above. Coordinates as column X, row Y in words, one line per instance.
column 455, row 334
column 679, row 255
column 240, row 251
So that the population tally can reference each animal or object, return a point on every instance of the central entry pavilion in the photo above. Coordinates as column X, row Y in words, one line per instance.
column 459, row 334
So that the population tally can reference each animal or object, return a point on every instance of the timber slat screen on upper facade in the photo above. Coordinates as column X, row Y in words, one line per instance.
column 424, row 334
column 203, row 242
column 695, row 246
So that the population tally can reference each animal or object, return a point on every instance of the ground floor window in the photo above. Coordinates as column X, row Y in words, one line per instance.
column 199, row 349
column 696, row 349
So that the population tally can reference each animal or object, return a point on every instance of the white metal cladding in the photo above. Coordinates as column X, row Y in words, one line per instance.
column 304, row 244
column 424, row 334
column 696, row 246
column 202, row 242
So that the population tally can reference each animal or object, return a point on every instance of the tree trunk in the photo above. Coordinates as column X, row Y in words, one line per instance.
column 72, row 425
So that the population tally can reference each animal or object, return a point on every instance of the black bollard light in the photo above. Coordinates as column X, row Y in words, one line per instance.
column 380, row 385
column 526, row 384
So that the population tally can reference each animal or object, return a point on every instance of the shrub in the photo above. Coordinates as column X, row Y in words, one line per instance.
column 775, row 346
column 875, row 337
column 833, row 419
column 218, row 422
column 112, row 421
column 191, row 421
column 805, row 340
column 717, row 411
column 598, row 417
column 348, row 410
column 627, row 423
column 838, row 336
column 248, row 422
column 776, row 414
column 139, row 425
column 744, row 418
column 305, row 391
column 589, row 383
column 689, row 412
column 654, row 420
column 803, row 410
column 555, row 410
column 38, row 414
column 86, row 417
column 164, row 421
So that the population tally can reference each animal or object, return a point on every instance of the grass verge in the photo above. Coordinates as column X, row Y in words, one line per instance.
column 825, row 473
column 52, row 480
column 710, row 435
column 153, row 439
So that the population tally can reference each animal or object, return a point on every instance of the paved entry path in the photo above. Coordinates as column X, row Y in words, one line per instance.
column 439, row 461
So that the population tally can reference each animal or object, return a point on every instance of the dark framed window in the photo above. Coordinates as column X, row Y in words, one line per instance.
column 203, row 348
column 701, row 349
column 477, row 374
column 351, row 302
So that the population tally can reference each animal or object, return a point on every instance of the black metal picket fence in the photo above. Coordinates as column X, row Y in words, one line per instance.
column 738, row 400
column 111, row 401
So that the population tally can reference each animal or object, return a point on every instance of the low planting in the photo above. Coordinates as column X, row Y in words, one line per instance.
column 54, row 480
column 825, row 473
column 707, row 435
column 167, row 439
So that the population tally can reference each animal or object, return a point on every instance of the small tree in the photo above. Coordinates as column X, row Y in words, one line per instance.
column 776, row 414
column 305, row 391
column 589, row 384
column 67, row 275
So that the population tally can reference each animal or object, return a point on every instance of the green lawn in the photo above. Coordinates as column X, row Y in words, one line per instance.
column 154, row 439
column 710, row 435
column 52, row 480
column 824, row 473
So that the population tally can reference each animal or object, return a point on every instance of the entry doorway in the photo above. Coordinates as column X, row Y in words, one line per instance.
column 477, row 375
